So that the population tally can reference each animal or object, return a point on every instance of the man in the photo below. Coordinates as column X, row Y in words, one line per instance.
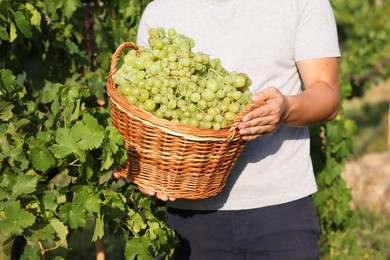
column 289, row 48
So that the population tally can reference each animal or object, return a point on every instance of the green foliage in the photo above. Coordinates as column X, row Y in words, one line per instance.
column 373, row 235
column 364, row 33
column 371, row 116
column 57, row 145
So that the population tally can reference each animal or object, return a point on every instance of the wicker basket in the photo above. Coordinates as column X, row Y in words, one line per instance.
column 172, row 158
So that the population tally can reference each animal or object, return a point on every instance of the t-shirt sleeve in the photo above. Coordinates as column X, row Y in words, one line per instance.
column 316, row 35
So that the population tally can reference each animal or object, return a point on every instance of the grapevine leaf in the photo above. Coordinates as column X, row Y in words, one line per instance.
column 99, row 228
column 88, row 133
column 6, row 110
column 320, row 198
column 96, row 86
column 162, row 236
column 73, row 214
column 138, row 248
column 12, row 32
column 86, row 168
column 41, row 159
column 22, row 24
column 7, row 80
column 42, row 232
column 36, row 17
column 88, row 199
column 76, row 112
column 72, row 47
column 16, row 219
column 31, row 252
column 50, row 92
column 113, row 205
column 17, row 158
column 70, row 6
column 66, row 144
column 52, row 6
column 137, row 223
column 3, row 194
column 50, row 202
column 153, row 227
column 25, row 184
column 21, row 123
column 115, row 139
column 55, row 106
column 4, row 34
column 108, row 161
column 62, row 232
column 112, row 149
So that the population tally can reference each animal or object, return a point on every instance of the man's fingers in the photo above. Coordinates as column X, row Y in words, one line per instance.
column 160, row 196
column 147, row 191
column 116, row 175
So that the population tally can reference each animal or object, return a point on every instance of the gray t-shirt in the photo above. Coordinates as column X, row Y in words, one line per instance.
column 263, row 38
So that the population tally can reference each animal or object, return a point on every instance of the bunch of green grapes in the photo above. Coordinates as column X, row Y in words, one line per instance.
column 172, row 82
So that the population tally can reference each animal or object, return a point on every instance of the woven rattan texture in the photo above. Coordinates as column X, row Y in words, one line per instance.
column 171, row 158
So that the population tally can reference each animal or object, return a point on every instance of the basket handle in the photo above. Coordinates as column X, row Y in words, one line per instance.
column 118, row 53
column 240, row 116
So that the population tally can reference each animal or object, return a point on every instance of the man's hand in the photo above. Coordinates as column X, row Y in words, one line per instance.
column 266, row 118
column 319, row 101
column 145, row 191
column 160, row 196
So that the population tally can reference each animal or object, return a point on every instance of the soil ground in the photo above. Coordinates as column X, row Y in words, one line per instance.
column 369, row 181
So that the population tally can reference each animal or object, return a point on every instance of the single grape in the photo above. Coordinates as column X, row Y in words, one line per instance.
column 220, row 94
column 212, row 111
column 239, row 81
column 153, row 33
column 171, row 32
column 193, row 122
column 172, row 104
column 133, row 100
column 230, row 116
column 216, row 126
column 143, row 95
column 125, row 90
column 208, row 95
column 237, row 94
column 212, row 84
column 149, row 105
column 234, row 107
column 195, row 97
column 202, row 104
column 218, row 118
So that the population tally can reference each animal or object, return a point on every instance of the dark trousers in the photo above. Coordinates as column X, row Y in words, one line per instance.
column 283, row 232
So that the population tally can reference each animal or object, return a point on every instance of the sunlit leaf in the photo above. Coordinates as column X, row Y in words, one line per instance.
column 138, row 248
column 25, row 184
column 41, row 159
column 88, row 133
column 12, row 34
column 22, row 24
column 61, row 230
column 6, row 110
column 70, row 6
column 16, row 219
column 73, row 215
